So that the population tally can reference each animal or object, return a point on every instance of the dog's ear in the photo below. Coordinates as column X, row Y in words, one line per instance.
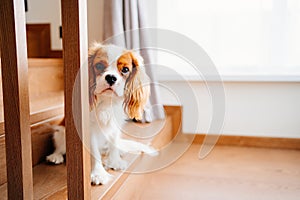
column 92, row 75
column 137, row 89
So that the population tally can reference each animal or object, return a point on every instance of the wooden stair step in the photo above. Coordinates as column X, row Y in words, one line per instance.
column 42, row 107
column 46, row 96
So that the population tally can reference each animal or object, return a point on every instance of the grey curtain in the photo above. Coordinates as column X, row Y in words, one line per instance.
column 123, row 23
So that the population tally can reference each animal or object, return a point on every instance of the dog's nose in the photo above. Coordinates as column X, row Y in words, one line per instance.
column 111, row 79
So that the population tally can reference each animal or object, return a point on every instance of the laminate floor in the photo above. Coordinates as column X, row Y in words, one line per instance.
column 228, row 172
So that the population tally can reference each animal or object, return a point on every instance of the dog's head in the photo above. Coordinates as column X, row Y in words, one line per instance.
column 116, row 72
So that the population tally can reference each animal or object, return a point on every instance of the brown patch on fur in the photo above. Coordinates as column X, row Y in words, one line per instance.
column 97, row 54
column 125, row 60
column 136, row 91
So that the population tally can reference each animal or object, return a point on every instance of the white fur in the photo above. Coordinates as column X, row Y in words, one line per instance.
column 106, row 120
column 59, row 144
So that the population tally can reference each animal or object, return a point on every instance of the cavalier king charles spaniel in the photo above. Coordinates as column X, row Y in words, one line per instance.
column 118, row 85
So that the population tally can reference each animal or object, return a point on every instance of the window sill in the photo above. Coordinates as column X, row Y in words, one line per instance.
column 238, row 75
column 232, row 78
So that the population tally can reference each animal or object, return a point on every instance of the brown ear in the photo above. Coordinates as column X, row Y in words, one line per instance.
column 92, row 83
column 137, row 89
column 92, row 75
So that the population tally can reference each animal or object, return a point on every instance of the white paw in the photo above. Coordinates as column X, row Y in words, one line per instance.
column 100, row 178
column 151, row 151
column 55, row 158
column 115, row 164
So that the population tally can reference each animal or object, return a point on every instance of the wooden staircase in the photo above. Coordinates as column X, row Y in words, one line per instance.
column 46, row 107
column 50, row 181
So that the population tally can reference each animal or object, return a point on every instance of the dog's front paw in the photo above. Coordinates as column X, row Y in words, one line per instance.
column 100, row 179
column 55, row 158
column 115, row 164
column 151, row 151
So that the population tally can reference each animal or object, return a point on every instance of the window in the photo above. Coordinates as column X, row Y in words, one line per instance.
column 239, row 34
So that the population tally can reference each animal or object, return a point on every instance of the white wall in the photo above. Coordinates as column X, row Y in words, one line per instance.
column 258, row 102
column 49, row 11
column 252, row 108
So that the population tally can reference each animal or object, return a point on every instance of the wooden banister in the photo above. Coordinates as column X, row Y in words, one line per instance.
column 16, row 99
column 75, row 49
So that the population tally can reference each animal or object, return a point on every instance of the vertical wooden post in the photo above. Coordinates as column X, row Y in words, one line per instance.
column 75, row 54
column 15, row 99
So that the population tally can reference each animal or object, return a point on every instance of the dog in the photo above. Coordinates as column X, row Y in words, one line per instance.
column 118, row 87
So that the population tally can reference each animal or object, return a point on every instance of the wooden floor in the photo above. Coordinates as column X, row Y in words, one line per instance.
column 228, row 172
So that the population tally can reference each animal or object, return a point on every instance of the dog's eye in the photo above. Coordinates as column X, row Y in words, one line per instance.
column 100, row 66
column 125, row 70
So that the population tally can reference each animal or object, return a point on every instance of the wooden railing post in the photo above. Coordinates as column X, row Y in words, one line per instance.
column 15, row 99
column 75, row 55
